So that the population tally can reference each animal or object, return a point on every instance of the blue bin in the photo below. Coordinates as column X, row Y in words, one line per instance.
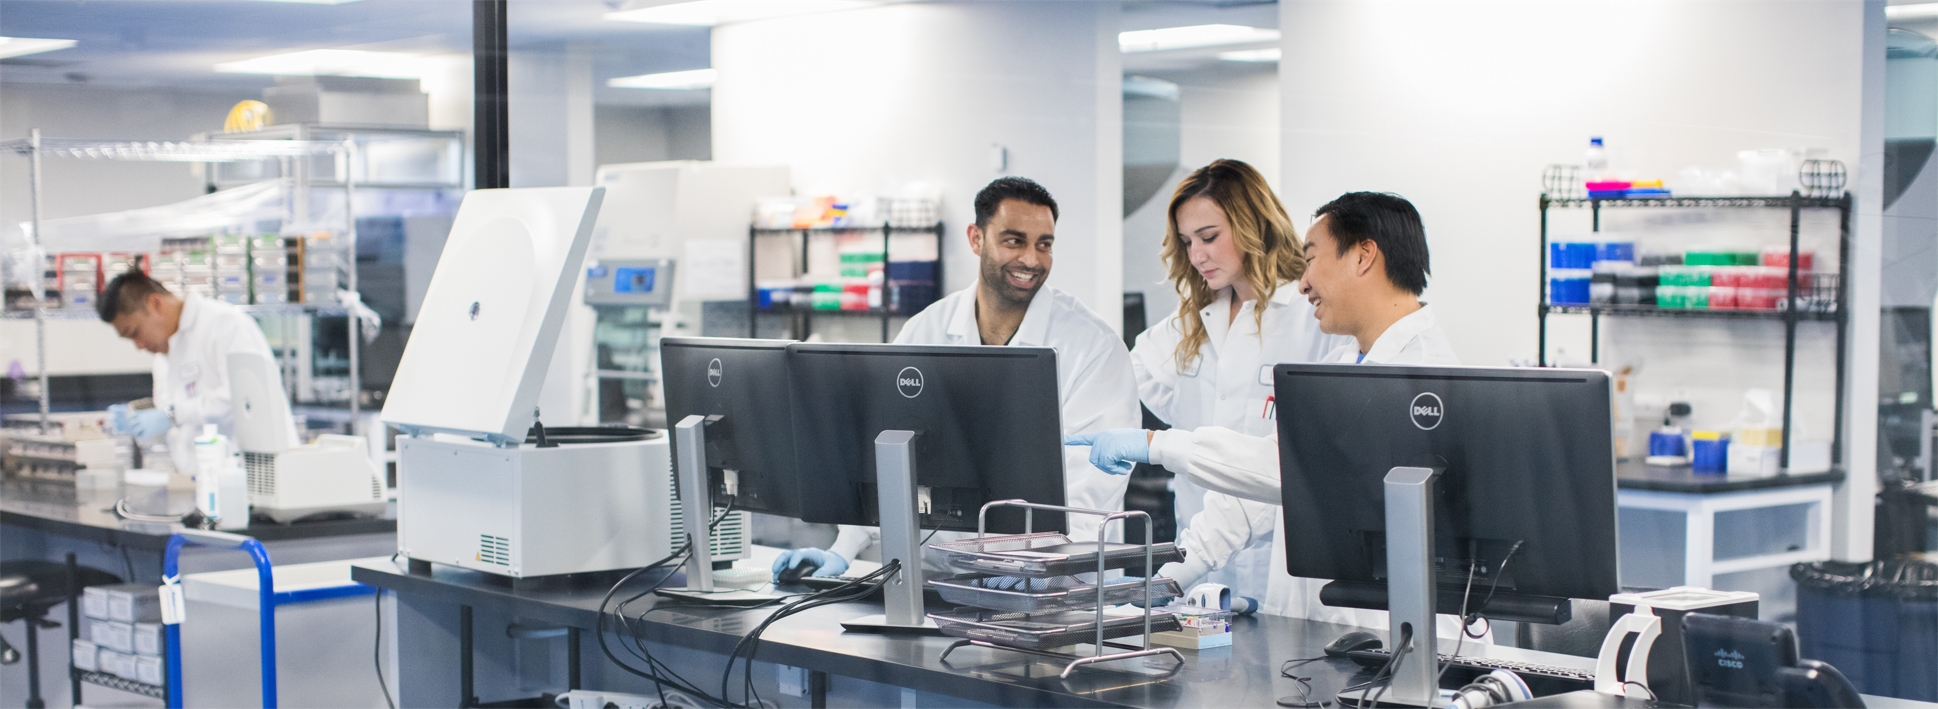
column 1875, row 622
column 1571, row 254
column 1568, row 287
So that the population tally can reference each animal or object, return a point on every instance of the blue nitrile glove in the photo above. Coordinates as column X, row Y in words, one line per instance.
column 1115, row 451
column 145, row 423
column 828, row 563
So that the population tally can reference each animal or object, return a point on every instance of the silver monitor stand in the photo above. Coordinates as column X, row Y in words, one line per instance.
column 897, row 503
column 696, row 505
column 1410, row 590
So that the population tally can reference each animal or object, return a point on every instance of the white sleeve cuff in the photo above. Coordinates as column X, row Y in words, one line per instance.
column 853, row 540
column 1186, row 572
column 1172, row 450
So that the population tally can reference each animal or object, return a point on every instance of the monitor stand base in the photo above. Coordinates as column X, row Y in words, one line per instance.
column 1362, row 699
column 722, row 597
column 878, row 623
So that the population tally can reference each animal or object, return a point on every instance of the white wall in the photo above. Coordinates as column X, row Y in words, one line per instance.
column 1459, row 105
column 1228, row 111
column 551, row 116
column 629, row 134
column 858, row 102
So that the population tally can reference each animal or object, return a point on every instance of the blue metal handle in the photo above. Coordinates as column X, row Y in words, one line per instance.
column 266, row 605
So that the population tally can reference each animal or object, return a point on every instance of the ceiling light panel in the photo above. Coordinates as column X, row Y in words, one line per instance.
column 315, row 2
column 1252, row 55
column 707, row 13
column 1921, row 11
column 333, row 62
column 666, row 81
column 1193, row 36
column 23, row 46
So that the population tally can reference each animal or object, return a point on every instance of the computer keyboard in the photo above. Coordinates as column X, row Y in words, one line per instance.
column 1375, row 658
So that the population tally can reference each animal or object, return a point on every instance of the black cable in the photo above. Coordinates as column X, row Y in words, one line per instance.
column 1472, row 566
column 377, row 652
column 750, row 643
column 1468, row 620
column 1644, row 687
column 1393, row 665
column 654, row 668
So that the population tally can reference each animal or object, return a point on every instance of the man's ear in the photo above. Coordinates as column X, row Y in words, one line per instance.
column 975, row 239
column 152, row 304
column 1368, row 256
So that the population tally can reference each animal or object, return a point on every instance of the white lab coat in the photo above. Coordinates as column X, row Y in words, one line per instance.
column 1239, row 468
column 192, row 380
column 1094, row 386
column 1229, row 385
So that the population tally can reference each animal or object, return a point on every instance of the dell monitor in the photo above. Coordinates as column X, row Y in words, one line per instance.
column 741, row 388
column 1514, row 470
column 909, row 437
column 987, row 420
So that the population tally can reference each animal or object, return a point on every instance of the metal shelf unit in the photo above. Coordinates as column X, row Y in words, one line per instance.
column 1789, row 314
column 34, row 147
column 802, row 319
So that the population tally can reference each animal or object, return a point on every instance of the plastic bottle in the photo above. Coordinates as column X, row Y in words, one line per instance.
column 1597, row 159
column 221, row 487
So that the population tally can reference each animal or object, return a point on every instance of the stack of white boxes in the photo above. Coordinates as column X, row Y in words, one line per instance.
column 122, row 633
column 269, row 269
column 324, row 259
column 198, row 274
column 231, row 261
column 80, row 280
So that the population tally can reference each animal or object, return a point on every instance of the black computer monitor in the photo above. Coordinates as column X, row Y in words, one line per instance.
column 1526, row 457
column 744, row 383
column 987, row 417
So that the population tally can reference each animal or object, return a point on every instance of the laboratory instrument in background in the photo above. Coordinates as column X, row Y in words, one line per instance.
column 630, row 299
column 685, row 212
column 483, row 485
column 1395, row 477
column 909, row 437
column 733, row 438
column 286, row 481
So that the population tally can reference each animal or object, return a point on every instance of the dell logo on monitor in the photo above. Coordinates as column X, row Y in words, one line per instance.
column 909, row 382
column 1427, row 411
column 713, row 372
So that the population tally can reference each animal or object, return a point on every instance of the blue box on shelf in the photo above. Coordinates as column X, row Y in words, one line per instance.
column 1571, row 254
column 911, row 271
column 1569, row 286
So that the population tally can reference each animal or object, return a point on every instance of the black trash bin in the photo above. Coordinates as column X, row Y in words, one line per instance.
column 1876, row 622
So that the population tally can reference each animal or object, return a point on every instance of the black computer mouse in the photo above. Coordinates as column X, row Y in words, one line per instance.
column 800, row 568
column 1356, row 640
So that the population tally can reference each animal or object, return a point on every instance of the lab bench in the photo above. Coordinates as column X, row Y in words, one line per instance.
column 440, row 612
column 1681, row 528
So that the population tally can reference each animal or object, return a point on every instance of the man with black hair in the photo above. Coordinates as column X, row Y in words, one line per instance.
column 1013, row 239
column 192, row 339
column 1366, row 266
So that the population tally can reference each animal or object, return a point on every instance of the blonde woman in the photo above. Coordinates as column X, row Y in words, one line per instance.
column 1235, row 261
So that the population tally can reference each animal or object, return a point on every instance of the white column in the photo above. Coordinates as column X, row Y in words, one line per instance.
column 864, row 101
column 1852, row 505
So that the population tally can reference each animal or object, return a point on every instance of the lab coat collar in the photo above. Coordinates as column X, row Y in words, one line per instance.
column 1400, row 333
column 1286, row 292
column 1034, row 331
column 192, row 306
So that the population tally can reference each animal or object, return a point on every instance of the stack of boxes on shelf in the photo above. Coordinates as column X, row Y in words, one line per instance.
column 232, row 267
column 322, row 261
column 77, row 451
column 1613, row 272
column 122, row 633
column 269, row 269
column 80, row 280
column 230, row 260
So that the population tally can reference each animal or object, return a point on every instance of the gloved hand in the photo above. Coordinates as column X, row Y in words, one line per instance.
column 1160, row 596
column 142, row 424
column 828, row 563
column 1115, row 451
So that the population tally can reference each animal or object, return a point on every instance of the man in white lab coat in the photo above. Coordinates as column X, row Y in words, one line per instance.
column 1366, row 265
column 1012, row 238
column 192, row 339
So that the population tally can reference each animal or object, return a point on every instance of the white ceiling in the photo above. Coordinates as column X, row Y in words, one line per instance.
column 176, row 43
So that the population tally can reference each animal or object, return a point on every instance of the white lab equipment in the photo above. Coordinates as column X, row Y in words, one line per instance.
column 286, row 481
column 474, row 490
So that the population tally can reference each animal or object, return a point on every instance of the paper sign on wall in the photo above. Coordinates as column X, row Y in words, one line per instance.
column 715, row 269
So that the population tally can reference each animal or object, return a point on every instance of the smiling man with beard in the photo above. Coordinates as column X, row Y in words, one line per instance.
column 1014, row 238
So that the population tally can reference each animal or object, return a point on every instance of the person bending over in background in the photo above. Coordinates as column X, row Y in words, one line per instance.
column 1013, row 239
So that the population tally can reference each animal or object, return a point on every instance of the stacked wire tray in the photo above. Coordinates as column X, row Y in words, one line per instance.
column 1048, row 554
column 1013, row 594
column 1043, row 631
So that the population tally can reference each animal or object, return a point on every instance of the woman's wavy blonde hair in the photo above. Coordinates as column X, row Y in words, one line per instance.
column 1272, row 251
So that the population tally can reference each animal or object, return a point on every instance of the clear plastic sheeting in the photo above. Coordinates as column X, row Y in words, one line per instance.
column 173, row 151
column 142, row 230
